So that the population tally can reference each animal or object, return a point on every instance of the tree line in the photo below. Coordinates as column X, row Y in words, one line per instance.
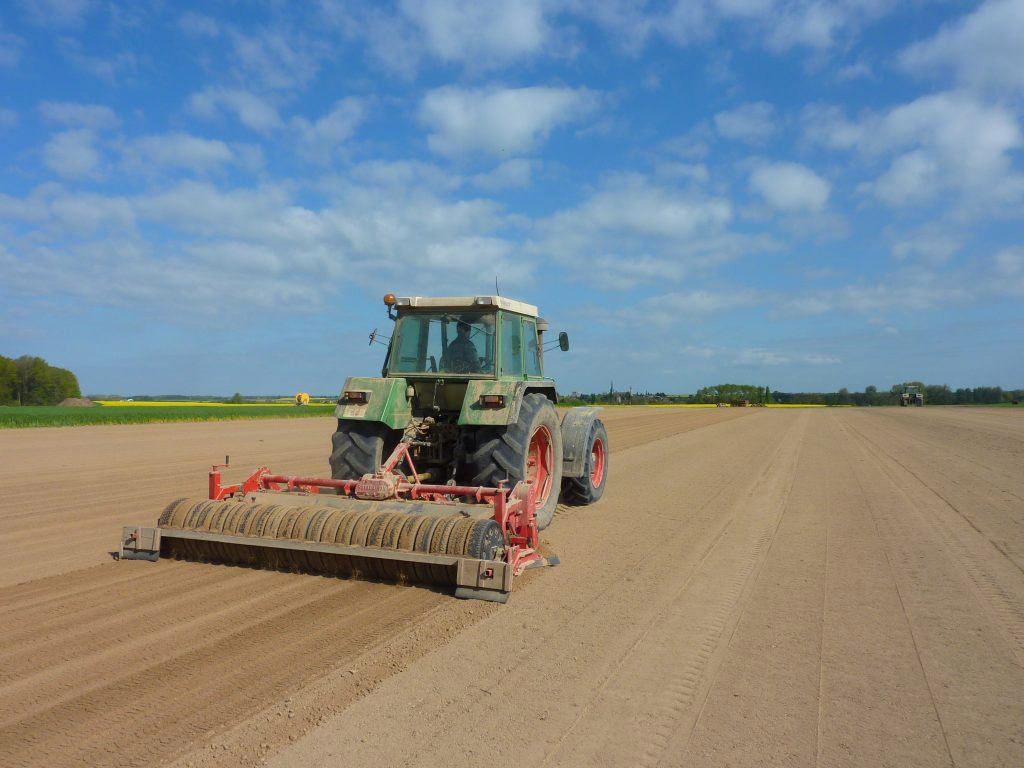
column 30, row 380
column 934, row 394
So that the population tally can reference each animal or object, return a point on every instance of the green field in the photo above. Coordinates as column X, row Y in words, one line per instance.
column 54, row 416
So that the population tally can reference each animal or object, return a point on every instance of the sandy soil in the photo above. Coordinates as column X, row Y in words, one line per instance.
column 757, row 587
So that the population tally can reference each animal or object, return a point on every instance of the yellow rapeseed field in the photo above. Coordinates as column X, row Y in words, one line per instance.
column 191, row 404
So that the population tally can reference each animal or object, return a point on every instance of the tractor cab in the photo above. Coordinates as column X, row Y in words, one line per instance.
column 474, row 337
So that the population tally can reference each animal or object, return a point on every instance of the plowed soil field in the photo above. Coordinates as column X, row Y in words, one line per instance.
column 757, row 587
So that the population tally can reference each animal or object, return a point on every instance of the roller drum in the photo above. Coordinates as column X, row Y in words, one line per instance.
column 396, row 526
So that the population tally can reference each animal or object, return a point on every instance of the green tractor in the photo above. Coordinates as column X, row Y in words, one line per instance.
column 463, row 386
column 911, row 396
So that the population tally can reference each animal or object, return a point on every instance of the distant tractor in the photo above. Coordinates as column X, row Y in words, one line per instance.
column 911, row 396
column 302, row 398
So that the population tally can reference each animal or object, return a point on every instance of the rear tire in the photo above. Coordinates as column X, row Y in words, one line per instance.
column 359, row 448
column 589, row 487
column 501, row 453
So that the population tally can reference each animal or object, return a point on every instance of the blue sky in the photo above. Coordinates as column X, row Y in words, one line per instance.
column 807, row 194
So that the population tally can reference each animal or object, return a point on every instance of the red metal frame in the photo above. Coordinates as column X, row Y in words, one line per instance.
column 514, row 511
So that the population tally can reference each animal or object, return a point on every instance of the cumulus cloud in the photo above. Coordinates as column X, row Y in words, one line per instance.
column 912, row 178
column 73, row 154
column 911, row 290
column 368, row 232
column 942, row 141
column 483, row 35
column 782, row 25
column 753, row 122
column 95, row 116
column 56, row 13
column 250, row 110
column 177, row 151
column 320, row 138
column 758, row 356
column 507, row 175
column 982, row 49
column 790, row 187
column 198, row 25
column 10, row 49
column 931, row 245
column 106, row 66
column 853, row 71
column 664, row 310
column 472, row 31
column 275, row 59
column 632, row 230
column 499, row 121
column 1009, row 272
column 1010, row 261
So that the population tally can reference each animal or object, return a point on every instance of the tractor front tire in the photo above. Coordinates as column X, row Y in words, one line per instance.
column 359, row 448
column 589, row 486
column 528, row 449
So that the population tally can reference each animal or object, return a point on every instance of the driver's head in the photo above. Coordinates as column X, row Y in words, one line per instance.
column 463, row 329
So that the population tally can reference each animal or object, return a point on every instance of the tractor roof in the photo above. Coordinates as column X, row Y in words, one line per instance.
column 466, row 302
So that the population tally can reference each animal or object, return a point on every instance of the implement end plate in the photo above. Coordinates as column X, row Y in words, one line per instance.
column 138, row 543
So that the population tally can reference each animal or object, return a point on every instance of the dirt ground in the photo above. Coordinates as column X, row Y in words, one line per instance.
column 757, row 587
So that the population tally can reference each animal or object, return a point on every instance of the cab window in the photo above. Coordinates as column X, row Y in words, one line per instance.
column 532, row 351
column 511, row 346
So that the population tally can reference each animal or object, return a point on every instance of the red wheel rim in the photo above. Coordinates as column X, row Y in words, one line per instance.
column 597, row 462
column 539, row 460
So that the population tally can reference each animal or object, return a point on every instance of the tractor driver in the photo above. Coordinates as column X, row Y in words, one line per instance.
column 461, row 355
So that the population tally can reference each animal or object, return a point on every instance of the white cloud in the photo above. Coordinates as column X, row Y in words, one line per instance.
column 632, row 230
column 1009, row 272
column 479, row 32
column 198, row 25
column 827, row 125
column 73, row 154
column 274, row 59
column 399, row 175
column 366, row 232
column 252, row 111
column 912, row 178
column 56, row 13
column 939, row 142
column 489, row 255
column 106, row 66
column 665, row 310
column 781, row 24
column 320, row 138
column 631, row 204
column 761, row 356
column 854, row 71
column 499, row 121
column 982, row 49
column 482, row 35
column 917, row 289
column 10, row 49
column 510, row 174
column 177, row 151
column 790, row 187
column 814, row 25
column 929, row 245
column 77, row 115
column 695, row 172
column 753, row 122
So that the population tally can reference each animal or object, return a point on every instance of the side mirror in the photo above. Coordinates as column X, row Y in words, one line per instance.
column 563, row 341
